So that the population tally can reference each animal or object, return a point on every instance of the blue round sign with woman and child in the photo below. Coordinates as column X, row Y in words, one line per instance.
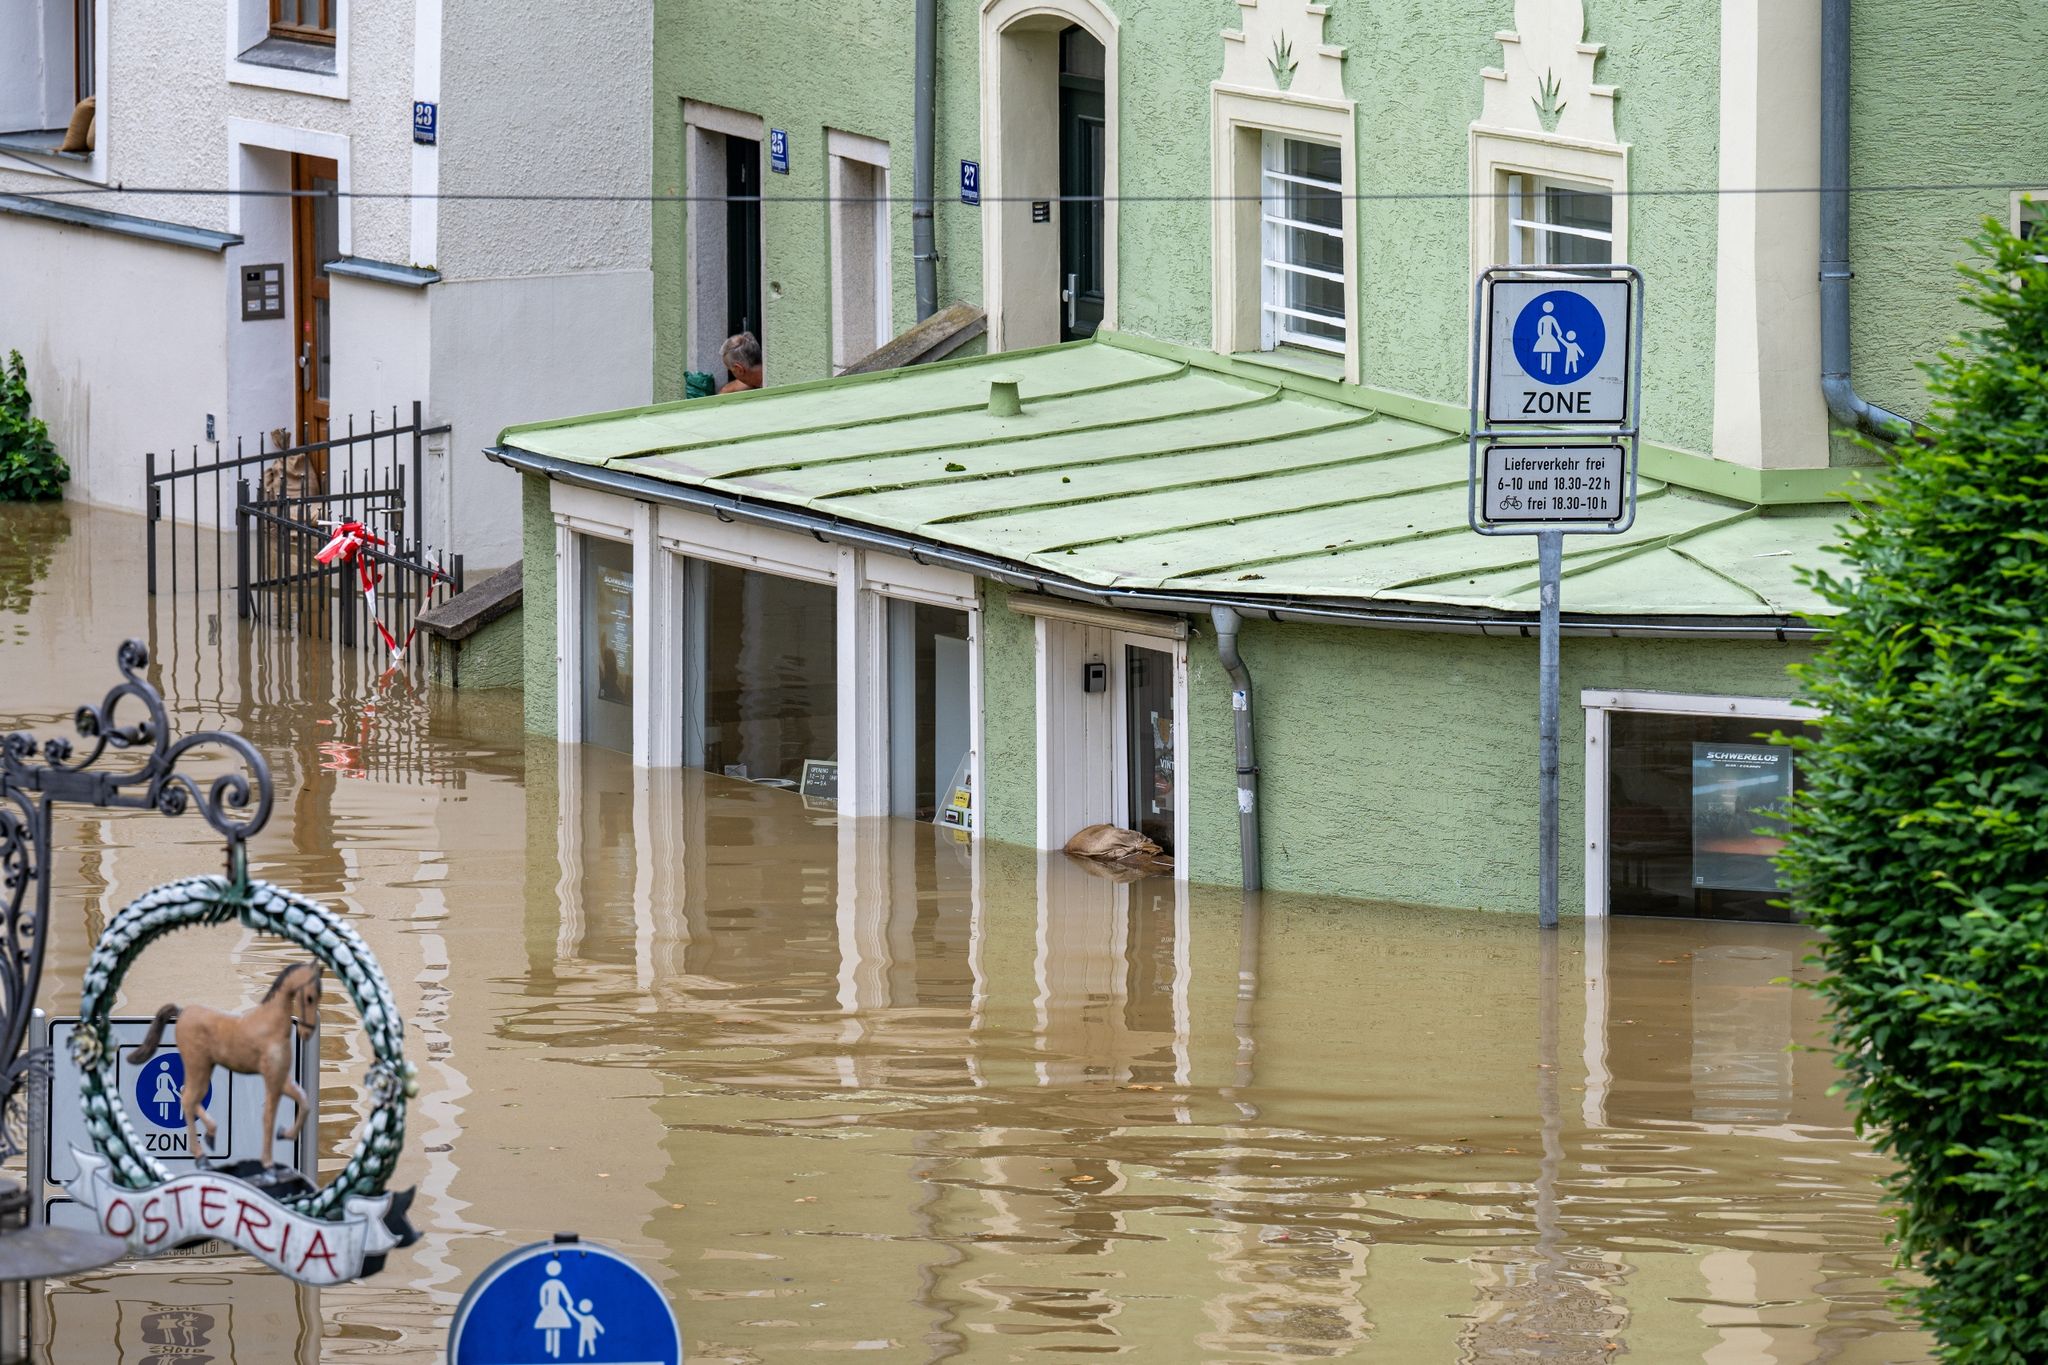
column 1559, row 337
column 564, row 1301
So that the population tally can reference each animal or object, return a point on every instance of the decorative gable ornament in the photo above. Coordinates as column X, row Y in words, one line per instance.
column 1281, row 48
column 1545, row 81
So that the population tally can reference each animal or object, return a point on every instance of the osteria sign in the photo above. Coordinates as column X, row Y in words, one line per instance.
column 203, row 1204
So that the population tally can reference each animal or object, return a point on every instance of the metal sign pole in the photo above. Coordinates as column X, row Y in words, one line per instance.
column 1550, row 570
column 1557, row 377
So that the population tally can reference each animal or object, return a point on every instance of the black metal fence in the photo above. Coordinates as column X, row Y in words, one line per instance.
column 282, row 505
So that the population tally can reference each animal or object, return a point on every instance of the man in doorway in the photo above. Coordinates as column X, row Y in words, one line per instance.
column 742, row 356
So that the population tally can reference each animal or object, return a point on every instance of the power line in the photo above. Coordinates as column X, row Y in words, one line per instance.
column 1377, row 196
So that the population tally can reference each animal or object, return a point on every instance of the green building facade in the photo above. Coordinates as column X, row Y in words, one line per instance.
column 1226, row 254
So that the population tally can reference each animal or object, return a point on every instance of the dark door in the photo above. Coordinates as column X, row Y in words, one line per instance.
column 316, row 240
column 1081, row 183
column 1148, row 713
column 742, row 236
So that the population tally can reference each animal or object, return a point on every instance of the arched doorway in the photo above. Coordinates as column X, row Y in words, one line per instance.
column 1049, row 170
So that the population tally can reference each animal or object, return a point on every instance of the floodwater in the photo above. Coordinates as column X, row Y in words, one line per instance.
column 854, row 1089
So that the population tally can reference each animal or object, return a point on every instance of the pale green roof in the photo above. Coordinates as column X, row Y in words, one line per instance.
column 1138, row 466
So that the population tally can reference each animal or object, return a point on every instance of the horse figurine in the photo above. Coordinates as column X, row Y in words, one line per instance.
column 257, row 1042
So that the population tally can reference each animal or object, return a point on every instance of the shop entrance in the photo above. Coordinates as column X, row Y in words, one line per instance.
column 1109, row 738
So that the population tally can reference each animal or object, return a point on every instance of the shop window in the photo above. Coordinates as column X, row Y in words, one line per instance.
column 929, row 720
column 607, row 628
column 761, row 681
column 1692, row 806
column 1301, row 221
column 1556, row 223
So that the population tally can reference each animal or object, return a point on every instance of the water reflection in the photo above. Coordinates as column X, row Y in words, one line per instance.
column 860, row 1086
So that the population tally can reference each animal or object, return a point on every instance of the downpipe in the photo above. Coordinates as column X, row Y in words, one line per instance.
column 1846, row 406
column 924, row 253
column 1227, row 621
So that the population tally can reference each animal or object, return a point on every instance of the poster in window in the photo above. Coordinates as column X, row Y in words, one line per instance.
column 614, row 615
column 1738, row 791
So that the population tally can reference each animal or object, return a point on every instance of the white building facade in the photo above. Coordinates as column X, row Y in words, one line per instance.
column 167, row 288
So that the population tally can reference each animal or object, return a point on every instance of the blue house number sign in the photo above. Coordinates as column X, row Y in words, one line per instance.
column 970, row 182
column 778, row 151
column 564, row 1301
column 424, row 116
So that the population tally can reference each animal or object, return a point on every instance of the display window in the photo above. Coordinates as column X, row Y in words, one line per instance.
column 607, row 630
column 1687, row 808
column 761, row 677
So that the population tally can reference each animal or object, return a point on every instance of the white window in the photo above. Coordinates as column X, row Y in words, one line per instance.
column 861, row 320
column 2030, row 215
column 1301, row 245
column 1554, row 222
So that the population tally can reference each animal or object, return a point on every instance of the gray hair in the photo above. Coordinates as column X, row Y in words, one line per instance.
column 742, row 349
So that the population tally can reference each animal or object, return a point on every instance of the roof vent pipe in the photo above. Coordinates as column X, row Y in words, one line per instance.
column 1004, row 400
column 1227, row 621
column 1848, row 407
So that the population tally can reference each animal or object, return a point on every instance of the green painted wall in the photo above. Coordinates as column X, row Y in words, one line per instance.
column 1941, row 93
column 537, row 603
column 1401, row 766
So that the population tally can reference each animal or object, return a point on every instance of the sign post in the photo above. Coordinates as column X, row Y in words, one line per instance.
column 1555, row 444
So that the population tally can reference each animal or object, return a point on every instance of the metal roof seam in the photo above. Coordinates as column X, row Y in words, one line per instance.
column 1219, row 522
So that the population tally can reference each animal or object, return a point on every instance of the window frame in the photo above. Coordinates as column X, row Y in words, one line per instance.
column 1522, row 190
column 1276, row 311
column 1497, row 153
column 1600, row 704
column 306, row 33
column 1240, row 120
column 842, row 148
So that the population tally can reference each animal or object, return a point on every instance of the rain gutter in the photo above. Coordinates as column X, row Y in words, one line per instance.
column 1848, row 407
column 1226, row 621
column 1292, row 610
column 924, row 92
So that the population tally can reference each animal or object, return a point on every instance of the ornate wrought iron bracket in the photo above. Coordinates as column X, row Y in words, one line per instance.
column 35, row 776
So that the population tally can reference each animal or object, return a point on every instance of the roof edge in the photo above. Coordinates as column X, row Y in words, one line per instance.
column 1334, row 611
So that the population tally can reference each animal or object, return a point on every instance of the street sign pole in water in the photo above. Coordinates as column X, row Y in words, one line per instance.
column 1556, row 434
column 564, row 1300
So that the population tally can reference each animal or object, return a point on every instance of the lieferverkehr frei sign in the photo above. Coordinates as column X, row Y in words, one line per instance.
column 1553, row 483
column 1559, row 353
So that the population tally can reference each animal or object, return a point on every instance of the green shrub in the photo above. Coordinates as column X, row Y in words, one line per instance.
column 30, row 467
column 1919, row 844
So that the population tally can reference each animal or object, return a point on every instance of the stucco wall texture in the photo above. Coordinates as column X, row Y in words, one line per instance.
column 511, row 117
column 1401, row 766
column 1942, row 92
column 537, row 603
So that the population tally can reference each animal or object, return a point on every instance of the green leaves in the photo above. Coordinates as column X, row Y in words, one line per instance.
column 30, row 468
column 1920, row 845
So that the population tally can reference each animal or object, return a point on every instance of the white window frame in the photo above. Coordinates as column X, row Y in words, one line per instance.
column 581, row 512
column 248, row 23
column 1275, row 314
column 1064, row 783
column 1599, row 706
column 840, row 149
column 2038, row 210
column 1525, row 200
column 94, row 168
column 1497, row 154
column 1240, row 120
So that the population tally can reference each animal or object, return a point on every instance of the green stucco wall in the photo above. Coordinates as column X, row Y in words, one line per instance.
column 1941, row 93
column 1401, row 766
column 537, row 603
column 494, row 657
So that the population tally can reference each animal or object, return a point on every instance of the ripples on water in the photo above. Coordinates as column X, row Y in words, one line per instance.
column 857, row 1088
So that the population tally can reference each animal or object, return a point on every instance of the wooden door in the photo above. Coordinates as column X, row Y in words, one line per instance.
column 316, row 240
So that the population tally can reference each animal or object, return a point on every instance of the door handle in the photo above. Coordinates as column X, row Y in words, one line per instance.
column 1072, row 295
column 306, row 366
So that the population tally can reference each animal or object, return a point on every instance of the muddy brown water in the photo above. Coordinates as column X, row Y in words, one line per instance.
column 855, row 1089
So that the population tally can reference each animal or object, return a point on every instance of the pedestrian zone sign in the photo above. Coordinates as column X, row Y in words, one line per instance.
column 1560, row 353
column 564, row 1301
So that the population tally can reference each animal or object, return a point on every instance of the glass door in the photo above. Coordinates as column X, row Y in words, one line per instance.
column 316, row 240
column 1082, row 162
column 1148, row 729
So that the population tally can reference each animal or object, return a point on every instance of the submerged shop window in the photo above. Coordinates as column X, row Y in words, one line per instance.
column 1692, row 808
column 928, row 714
column 761, row 681
column 607, row 643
